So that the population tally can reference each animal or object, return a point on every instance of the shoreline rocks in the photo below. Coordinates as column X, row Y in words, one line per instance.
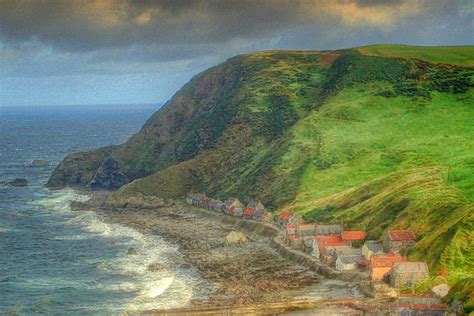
column 39, row 163
column 19, row 182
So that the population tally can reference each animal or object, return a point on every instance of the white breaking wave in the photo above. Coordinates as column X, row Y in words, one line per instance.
column 167, row 287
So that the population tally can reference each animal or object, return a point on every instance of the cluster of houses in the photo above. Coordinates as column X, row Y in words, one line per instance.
column 348, row 250
column 253, row 210
column 343, row 249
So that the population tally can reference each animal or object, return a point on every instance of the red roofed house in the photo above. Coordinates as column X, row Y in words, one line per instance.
column 380, row 266
column 323, row 243
column 353, row 235
column 396, row 240
column 284, row 218
column 248, row 213
column 290, row 231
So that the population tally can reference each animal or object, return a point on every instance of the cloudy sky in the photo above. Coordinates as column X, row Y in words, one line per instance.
column 141, row 51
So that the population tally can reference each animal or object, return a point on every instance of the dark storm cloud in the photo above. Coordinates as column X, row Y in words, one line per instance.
column 94, row 24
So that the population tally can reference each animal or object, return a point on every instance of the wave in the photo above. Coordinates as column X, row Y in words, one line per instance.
column 164, row 285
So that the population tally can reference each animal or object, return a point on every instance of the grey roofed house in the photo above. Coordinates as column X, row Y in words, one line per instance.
column 252, row 204
column 328, row 229
column 408, row 273
column 348, row 262
column 373, row 246
column 350, row 258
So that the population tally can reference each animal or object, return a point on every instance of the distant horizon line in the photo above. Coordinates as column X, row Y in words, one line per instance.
column 88, row 106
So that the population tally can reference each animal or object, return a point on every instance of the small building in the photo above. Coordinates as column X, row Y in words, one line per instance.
column 234, row 207
column 296, row 242
column 370, row 248
column 348, row 262
column 325, row 246
column 396, row 240
column 290, row 231
column 195, row 198
column 408, row 273
column 440, row 290
column 328, row 230
column 249, row 213
column 305, row 230
column 260, row 206
column 353, row 235
column 284, row 218
column 380, row 266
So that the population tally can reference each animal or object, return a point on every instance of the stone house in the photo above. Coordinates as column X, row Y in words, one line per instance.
column 380, row 266
column 408, row 273
column 290, row 232
column 305, row 230
column 348, row 262
column 370, row 248
column 396, row 240
column 325, row 246
column 234, row 207
column 284, row 218
column 328, row 230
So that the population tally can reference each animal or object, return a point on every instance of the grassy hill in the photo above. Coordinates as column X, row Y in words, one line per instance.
column 455, row 55
column 376, row 137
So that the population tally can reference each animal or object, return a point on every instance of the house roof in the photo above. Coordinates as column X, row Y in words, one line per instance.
column 349, row 251
column 328, row 229
column 350, row 259
column 354, row 235
column 373, row 246
column 324, row 241
column 386, row 261
column 249, row 212
column 260, row 206
column 305, row 226
column 401, row 235
column 234, row 202
column 285, row 215
column 410, row 267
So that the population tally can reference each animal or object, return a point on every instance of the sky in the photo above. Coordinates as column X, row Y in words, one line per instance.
column 83, row 52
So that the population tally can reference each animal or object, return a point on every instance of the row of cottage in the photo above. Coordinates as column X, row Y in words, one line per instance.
column 232, row 206
column 344, row 249
column 335, row 246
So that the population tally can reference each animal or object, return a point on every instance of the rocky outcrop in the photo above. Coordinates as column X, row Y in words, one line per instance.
column 108, row 176
column 79, row 169
column 18, row 183
column 235, row 238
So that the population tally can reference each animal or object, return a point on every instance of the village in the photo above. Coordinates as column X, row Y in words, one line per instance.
column 346, row 251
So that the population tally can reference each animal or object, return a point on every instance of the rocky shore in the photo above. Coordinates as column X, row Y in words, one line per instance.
column 242, row 261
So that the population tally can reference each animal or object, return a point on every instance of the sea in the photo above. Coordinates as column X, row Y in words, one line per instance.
column 57, row 261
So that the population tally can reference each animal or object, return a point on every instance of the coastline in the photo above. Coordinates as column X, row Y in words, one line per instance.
column 251, row 276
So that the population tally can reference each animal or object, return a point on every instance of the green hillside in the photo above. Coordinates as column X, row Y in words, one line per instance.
column 376, row 137
column 456, row 55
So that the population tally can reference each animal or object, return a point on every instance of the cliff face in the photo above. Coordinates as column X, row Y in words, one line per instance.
column 378, row 138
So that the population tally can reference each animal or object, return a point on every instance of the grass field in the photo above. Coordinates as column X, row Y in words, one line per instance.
column 456, row 55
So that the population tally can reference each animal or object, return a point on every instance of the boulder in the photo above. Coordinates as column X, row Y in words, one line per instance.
column 132, row 251
column 235, row 238
column 155, row 266
column 39, row 163
column 18, row 183
column 440, row 291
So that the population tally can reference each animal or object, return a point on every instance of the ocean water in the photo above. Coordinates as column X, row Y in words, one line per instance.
column 57, row 261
